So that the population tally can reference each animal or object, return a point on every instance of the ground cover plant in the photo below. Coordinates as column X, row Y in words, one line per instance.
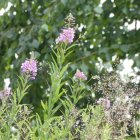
column 72, row 108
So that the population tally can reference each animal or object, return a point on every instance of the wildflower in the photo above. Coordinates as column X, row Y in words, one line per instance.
column 66, row 36
column 80, row 75
column 5, row 93
column 29, row 67
column 104, row 102
column 8, row 91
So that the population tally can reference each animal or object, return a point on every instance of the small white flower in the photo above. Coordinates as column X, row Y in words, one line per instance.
column 118, row 99
column 13, row 129
column 126, row 98
column 128, row 116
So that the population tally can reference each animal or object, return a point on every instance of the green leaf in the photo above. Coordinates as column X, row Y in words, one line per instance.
column 98, row 10
column 44, row 27
column 63, row 70
column 35, row 44
column 56, row 109
column 43, row 105
column 64, row 1
column 125, row 48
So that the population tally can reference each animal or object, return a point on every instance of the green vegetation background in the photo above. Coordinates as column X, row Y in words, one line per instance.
column 33, row 25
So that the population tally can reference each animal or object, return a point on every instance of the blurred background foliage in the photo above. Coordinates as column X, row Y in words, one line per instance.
column 33, row 25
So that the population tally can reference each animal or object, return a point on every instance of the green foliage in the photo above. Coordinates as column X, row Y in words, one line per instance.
column 17, row 120
column 33, row 26
column 96, row 127
column 14, row 117
column 63, row 106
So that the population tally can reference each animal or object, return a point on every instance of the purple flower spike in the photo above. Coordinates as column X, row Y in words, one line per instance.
column 29, row 67
column 66, row 36
column 80, row 75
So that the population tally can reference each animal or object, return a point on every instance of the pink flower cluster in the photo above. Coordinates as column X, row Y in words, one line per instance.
column 66, row 36
column 29, row 67
column 80, row 75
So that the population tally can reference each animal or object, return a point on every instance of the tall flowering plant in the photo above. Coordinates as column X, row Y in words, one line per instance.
column 58, row 68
